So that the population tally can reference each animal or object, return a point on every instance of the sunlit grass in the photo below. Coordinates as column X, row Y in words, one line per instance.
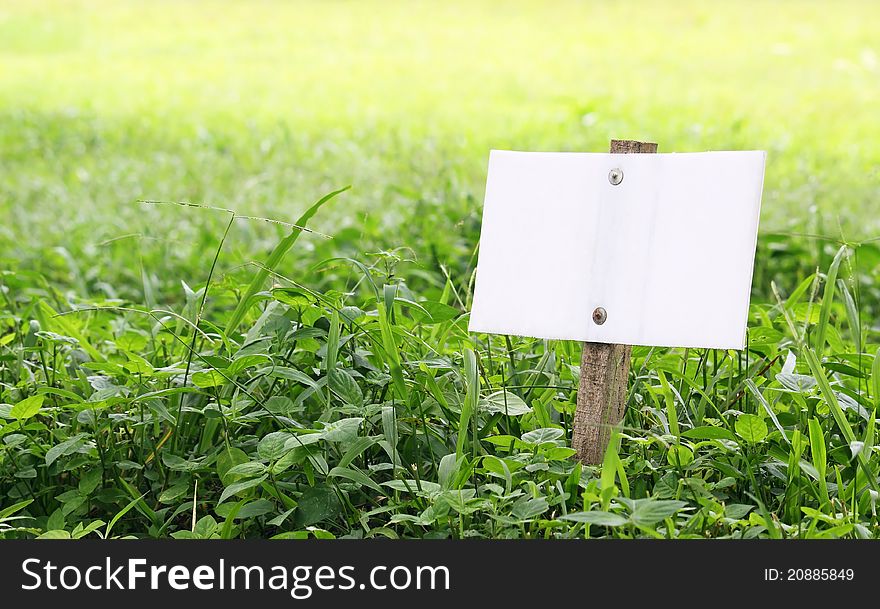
column 158, row 360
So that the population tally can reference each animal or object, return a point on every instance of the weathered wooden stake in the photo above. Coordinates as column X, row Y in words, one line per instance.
column 601, row 399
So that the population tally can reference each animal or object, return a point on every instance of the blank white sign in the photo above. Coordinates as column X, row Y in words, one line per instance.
column 668, row 252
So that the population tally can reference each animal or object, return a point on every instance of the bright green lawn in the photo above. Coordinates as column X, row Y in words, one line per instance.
column 263, row 108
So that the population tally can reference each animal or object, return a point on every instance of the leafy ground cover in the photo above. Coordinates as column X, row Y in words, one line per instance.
column 171, row 368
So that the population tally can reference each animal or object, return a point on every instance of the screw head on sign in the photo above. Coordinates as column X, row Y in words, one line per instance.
column 599, row 316
column 615, row 176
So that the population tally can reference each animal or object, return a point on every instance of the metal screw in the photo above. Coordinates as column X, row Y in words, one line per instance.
column 599, row 316
column 615, row 176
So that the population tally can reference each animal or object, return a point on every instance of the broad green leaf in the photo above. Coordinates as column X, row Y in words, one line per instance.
column 226, row 460
column 707, row 432
column 244, row 510
column 272, row 446
column 446, row 472
column 413, row 486
column 751, row 428
column 67, row 447
column 766, row 406
column 27, row 408
column 237, row 487
column 598, row 517
column 56, row 534
column 679, row 455
column 439, row 312
column 345, row 387
column 356, row 476
column 343, row 430
column 291, row 374
column 249, row 469
column 505, row 402
column 208, row 378
column 317, row 504
column 526, row 510
column 651, row 511
column 540, row 436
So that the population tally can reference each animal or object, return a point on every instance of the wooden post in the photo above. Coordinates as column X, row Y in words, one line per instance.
column 601, row 398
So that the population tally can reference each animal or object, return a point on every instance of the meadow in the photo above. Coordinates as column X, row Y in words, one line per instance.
column 237, row 256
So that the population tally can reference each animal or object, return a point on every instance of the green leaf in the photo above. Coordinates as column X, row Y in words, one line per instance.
column 356, row 476
column 120, row 514
column 875, row 379
column 358, row 446
column 506, row 442
column 610, row 468
column 226, row 460
column 439, row 312
column 737, row 511
column 680, row 455
column 251, row 468
column 317, row 504
column 558, row 453
column 238, row 487
column 766, row 406
column 290, row 374
column 542, row 435
column 751, row 428
column 505, row 402
column 272, row 262
column 406, row 486
column 12, row 509
column 605, row 519
column 179, row 464
column 472, row 395
column 709, row 432
column 67, row 447
column 837, row 413
column 525, row 510
column 827, row 299
column 272, row 446
column 208, row 378
column 343, row 430
column 447, row 470
column 243, row 511
column 345, row 387
column 389, row 345
column 764, row 335
column 852, row 315
column 280, row 518
column 27, row 408
column 648, row 512
column 57, row 534
column 820, row 458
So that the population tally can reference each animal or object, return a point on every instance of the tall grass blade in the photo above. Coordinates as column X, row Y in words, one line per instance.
column 827, row 299
column 469, row 405
column 272, row 262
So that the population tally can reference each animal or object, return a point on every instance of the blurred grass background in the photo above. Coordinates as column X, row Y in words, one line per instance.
column 265, row 106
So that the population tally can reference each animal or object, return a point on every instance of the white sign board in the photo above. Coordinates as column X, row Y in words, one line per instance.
column 637, row 249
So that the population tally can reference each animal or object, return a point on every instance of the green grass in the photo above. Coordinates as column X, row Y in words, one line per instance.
column 185, row 370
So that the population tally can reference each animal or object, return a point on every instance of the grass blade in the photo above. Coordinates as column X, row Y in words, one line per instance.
column 827, row 299
column 272, row 262
column 470, row 402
